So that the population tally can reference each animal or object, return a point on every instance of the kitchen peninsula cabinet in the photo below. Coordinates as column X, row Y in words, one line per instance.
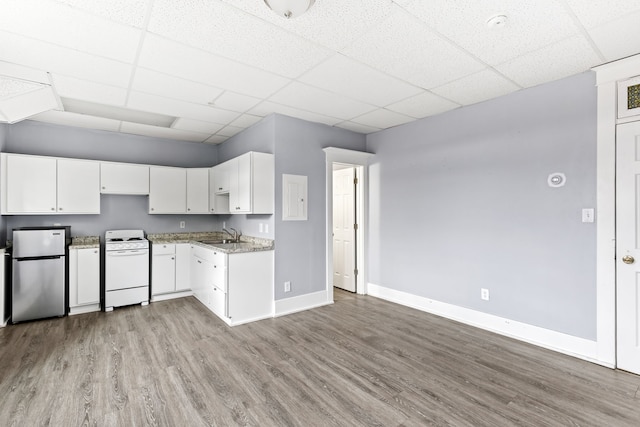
column 237, row 287
column 33, row 185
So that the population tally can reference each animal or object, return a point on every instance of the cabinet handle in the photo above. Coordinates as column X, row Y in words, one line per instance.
column 59, row 209
column 199, row 262
column 188, row 209
column 152, row 209
column 172, row 258
column 53, row 209
column 104, row 188
column 219, row 188
column 95, row 252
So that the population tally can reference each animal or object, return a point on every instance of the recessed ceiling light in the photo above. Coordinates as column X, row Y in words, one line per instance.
column 497, row 21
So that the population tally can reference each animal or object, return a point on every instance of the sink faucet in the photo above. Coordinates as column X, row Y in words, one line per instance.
column 235, row 234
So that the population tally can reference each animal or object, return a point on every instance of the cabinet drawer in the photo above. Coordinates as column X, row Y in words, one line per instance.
column 220, row 277
column 218, row 302
column 211, row 255
column 163, row 249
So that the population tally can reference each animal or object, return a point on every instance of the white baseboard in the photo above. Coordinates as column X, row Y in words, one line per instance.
column 164, row 297
column 84, row 309
column 552, row 340
column 301, row 303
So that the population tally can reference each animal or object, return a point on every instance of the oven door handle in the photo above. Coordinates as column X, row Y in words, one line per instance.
column 128, row 252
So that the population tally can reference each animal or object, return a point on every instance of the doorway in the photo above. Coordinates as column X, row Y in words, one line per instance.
column 357, row 162
column 345, row 226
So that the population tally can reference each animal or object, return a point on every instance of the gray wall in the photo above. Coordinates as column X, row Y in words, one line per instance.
column 460, row 202
column 300, row 245
column 29, row 137
column 261, row 138
column 297, row 145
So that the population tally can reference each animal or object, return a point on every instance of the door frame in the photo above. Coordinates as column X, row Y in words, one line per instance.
column 360, row 160
column 607, row 76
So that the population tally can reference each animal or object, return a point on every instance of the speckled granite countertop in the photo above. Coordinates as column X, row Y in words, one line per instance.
column 246, row 244
column 85, row 242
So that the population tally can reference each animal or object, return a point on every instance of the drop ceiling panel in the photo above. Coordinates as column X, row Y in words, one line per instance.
column 196, row 126
column 229, row 131
column 78, row 120
column 403, row 47
column 9, row 69
column 172, row 107
column 56, row 59
column 530, row 25
column 64, row 26
column 320, row 101
column 129, row 12
column 618, row 39
column 476, row 88
column 357, row 127
column 239, row 36
column 266, row 108
column 335, row 24
column 382, row 118
column 155, row 83
column 215, row 139
column 179, row 60
column 246, row 120
column 571, row 56
column 235, row 101
column 160, row 132
column 423, row 105
column 71, row 87
column 592, row 13
column 346, row 76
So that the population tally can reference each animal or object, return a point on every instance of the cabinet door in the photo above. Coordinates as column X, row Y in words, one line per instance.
column 198, row 191
column 123, row 178
column 163, row 273
column 88, row 286
column 167, row 190
column 201, row 278
column 31, row 184
column 78, row 186
column 221, row 177
column 240, row 185
column 183, row 276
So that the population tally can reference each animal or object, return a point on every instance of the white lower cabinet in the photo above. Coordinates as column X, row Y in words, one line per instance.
column 238, row 287
column 169, row 270
column 84, row 280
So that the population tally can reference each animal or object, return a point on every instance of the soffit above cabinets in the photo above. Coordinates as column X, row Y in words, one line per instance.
column 215, row 67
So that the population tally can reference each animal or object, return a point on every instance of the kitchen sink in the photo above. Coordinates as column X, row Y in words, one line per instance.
column 216, row 242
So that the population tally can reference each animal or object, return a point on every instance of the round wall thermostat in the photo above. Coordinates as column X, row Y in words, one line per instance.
column 556, row 179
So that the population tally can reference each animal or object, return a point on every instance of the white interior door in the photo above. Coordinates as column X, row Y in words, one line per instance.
column 344, row 253
column 628, row 247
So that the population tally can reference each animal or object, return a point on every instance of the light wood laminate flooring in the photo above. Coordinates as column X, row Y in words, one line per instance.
column 359, row 362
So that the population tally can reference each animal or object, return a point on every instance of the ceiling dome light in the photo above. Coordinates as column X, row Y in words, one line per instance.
column 289, row 8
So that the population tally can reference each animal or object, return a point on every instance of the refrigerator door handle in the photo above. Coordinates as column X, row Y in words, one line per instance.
column 39, row 258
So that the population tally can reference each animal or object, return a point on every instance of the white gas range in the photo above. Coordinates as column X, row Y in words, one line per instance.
column 126, row 268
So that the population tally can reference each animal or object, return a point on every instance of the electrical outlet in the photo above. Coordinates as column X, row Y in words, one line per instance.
column 261, row 227
column 484, row 294
column 182, row 224
column 287, row 286
column 266, row 228
column 224, row 224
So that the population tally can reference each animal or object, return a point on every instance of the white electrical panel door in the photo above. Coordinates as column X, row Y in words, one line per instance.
column 294, row 197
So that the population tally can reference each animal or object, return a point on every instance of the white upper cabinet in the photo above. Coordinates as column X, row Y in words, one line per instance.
column 221, row 178
column 124, row 178
column 167, row 190
column 47, row 185
column 198, row 191
column 218, row 199
column 78, row 186
column 251, row 183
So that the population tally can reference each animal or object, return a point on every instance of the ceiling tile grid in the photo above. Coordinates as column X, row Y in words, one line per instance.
column 212, row 68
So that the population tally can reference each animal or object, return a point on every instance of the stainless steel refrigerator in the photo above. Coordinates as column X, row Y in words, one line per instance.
column 39, row 283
